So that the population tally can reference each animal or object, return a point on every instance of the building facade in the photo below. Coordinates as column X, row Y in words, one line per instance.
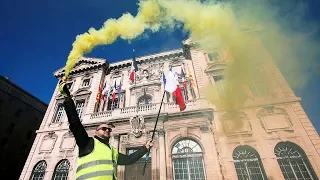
column 276, row 140
column 20, row 116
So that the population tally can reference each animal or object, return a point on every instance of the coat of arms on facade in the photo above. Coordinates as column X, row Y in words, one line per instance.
column 137, row 125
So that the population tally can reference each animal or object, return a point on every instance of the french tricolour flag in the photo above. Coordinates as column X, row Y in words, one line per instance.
column 104, row 91
column 171, row 85
column 134, row 69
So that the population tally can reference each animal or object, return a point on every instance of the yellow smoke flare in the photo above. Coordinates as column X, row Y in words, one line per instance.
column 127, row 27
column 214, row 25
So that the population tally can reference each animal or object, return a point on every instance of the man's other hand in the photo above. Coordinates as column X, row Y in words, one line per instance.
column 149, row 144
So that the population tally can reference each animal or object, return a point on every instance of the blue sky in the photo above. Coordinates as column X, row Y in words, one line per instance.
column 36, row 37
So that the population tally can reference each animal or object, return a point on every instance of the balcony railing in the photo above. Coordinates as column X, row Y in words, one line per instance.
column 147, row 109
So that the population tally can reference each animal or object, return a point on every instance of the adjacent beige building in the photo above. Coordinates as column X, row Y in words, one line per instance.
column 277, row 139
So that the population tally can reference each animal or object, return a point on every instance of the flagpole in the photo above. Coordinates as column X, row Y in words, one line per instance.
column 154, row 130
column 135, row 83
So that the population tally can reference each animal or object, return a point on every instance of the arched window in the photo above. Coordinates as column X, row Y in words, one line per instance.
column 293, row 161
column 39, row 171
column 187, row 159
column 61, row 171
column 248, row 163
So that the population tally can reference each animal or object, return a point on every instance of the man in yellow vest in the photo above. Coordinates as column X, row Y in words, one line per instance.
column 97, row 159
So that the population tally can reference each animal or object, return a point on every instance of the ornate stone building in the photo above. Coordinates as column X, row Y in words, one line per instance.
column 276, row 141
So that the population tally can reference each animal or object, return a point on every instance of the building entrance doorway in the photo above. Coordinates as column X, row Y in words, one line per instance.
column 134, row 171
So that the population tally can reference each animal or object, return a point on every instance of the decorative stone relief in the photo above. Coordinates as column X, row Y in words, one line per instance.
column 149, row 72
column 274, row 119
column 176, row 62
column 48, row 142
column 236, row 123
column 204, row 128
column 68, row 142
column 116, row 137
column 124, row 139
column 137, row 125
column 161, row 132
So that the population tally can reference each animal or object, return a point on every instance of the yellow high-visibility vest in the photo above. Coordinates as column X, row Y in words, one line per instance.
column 100, row 164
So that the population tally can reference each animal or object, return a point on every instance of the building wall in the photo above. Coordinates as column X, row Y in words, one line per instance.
column 263, row 124
column 21, row 115
column 260, row 133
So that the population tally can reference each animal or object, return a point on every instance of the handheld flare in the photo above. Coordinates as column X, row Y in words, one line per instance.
column 63, row 88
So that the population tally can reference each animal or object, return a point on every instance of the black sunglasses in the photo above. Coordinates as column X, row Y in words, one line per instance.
column 105, row 128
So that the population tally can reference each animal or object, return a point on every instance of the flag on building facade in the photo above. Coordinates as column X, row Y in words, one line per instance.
column 113, row 97
column 164, row 79
column 109, row 91
column 119, row 90
column 183, row 76
column 172, row 86
column 99, row 93
column 190, row 77
column 104, row 90
column 134, row 69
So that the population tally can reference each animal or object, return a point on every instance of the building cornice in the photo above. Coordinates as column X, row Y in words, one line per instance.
column 148, row 58
column 92, row 64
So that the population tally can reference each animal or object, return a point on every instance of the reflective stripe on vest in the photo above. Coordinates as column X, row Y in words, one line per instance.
column 98, row 165
column 93, row 163
column 95, row 174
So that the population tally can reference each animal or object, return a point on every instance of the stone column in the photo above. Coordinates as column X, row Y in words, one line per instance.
column 121, row 149
column 115, row 142
column 162, row 153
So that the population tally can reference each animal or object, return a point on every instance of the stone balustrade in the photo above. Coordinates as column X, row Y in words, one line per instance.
column 147, row 109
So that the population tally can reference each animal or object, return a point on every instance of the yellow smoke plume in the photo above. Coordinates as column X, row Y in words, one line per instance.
column 126, row 27
column 227, row 25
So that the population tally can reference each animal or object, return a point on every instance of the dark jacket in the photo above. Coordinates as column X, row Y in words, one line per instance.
column 86, row 143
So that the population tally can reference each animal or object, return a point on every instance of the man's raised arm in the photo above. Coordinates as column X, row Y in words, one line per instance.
column 75, row 124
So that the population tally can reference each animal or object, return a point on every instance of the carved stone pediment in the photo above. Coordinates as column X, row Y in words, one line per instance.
column 216, row 67
column 236, row 123
column 137, row 125
column 68, row 142
column 82, row 64
column 274, row 119
column 81, row 92
column 48, row 142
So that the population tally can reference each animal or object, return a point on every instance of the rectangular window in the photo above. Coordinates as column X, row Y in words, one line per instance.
column 1, row 105
column 11, row 128
column 18, row 113
column 113, row 104
column 59, row 114
column 257, row 88
column 69, row 85
column 254, row 88
column 214, row 57
column 3, row 142
column 79, row 107
column 168, row 96
column 220, row 84
column 184, row 94
column 193, row 94
column 86, row 83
